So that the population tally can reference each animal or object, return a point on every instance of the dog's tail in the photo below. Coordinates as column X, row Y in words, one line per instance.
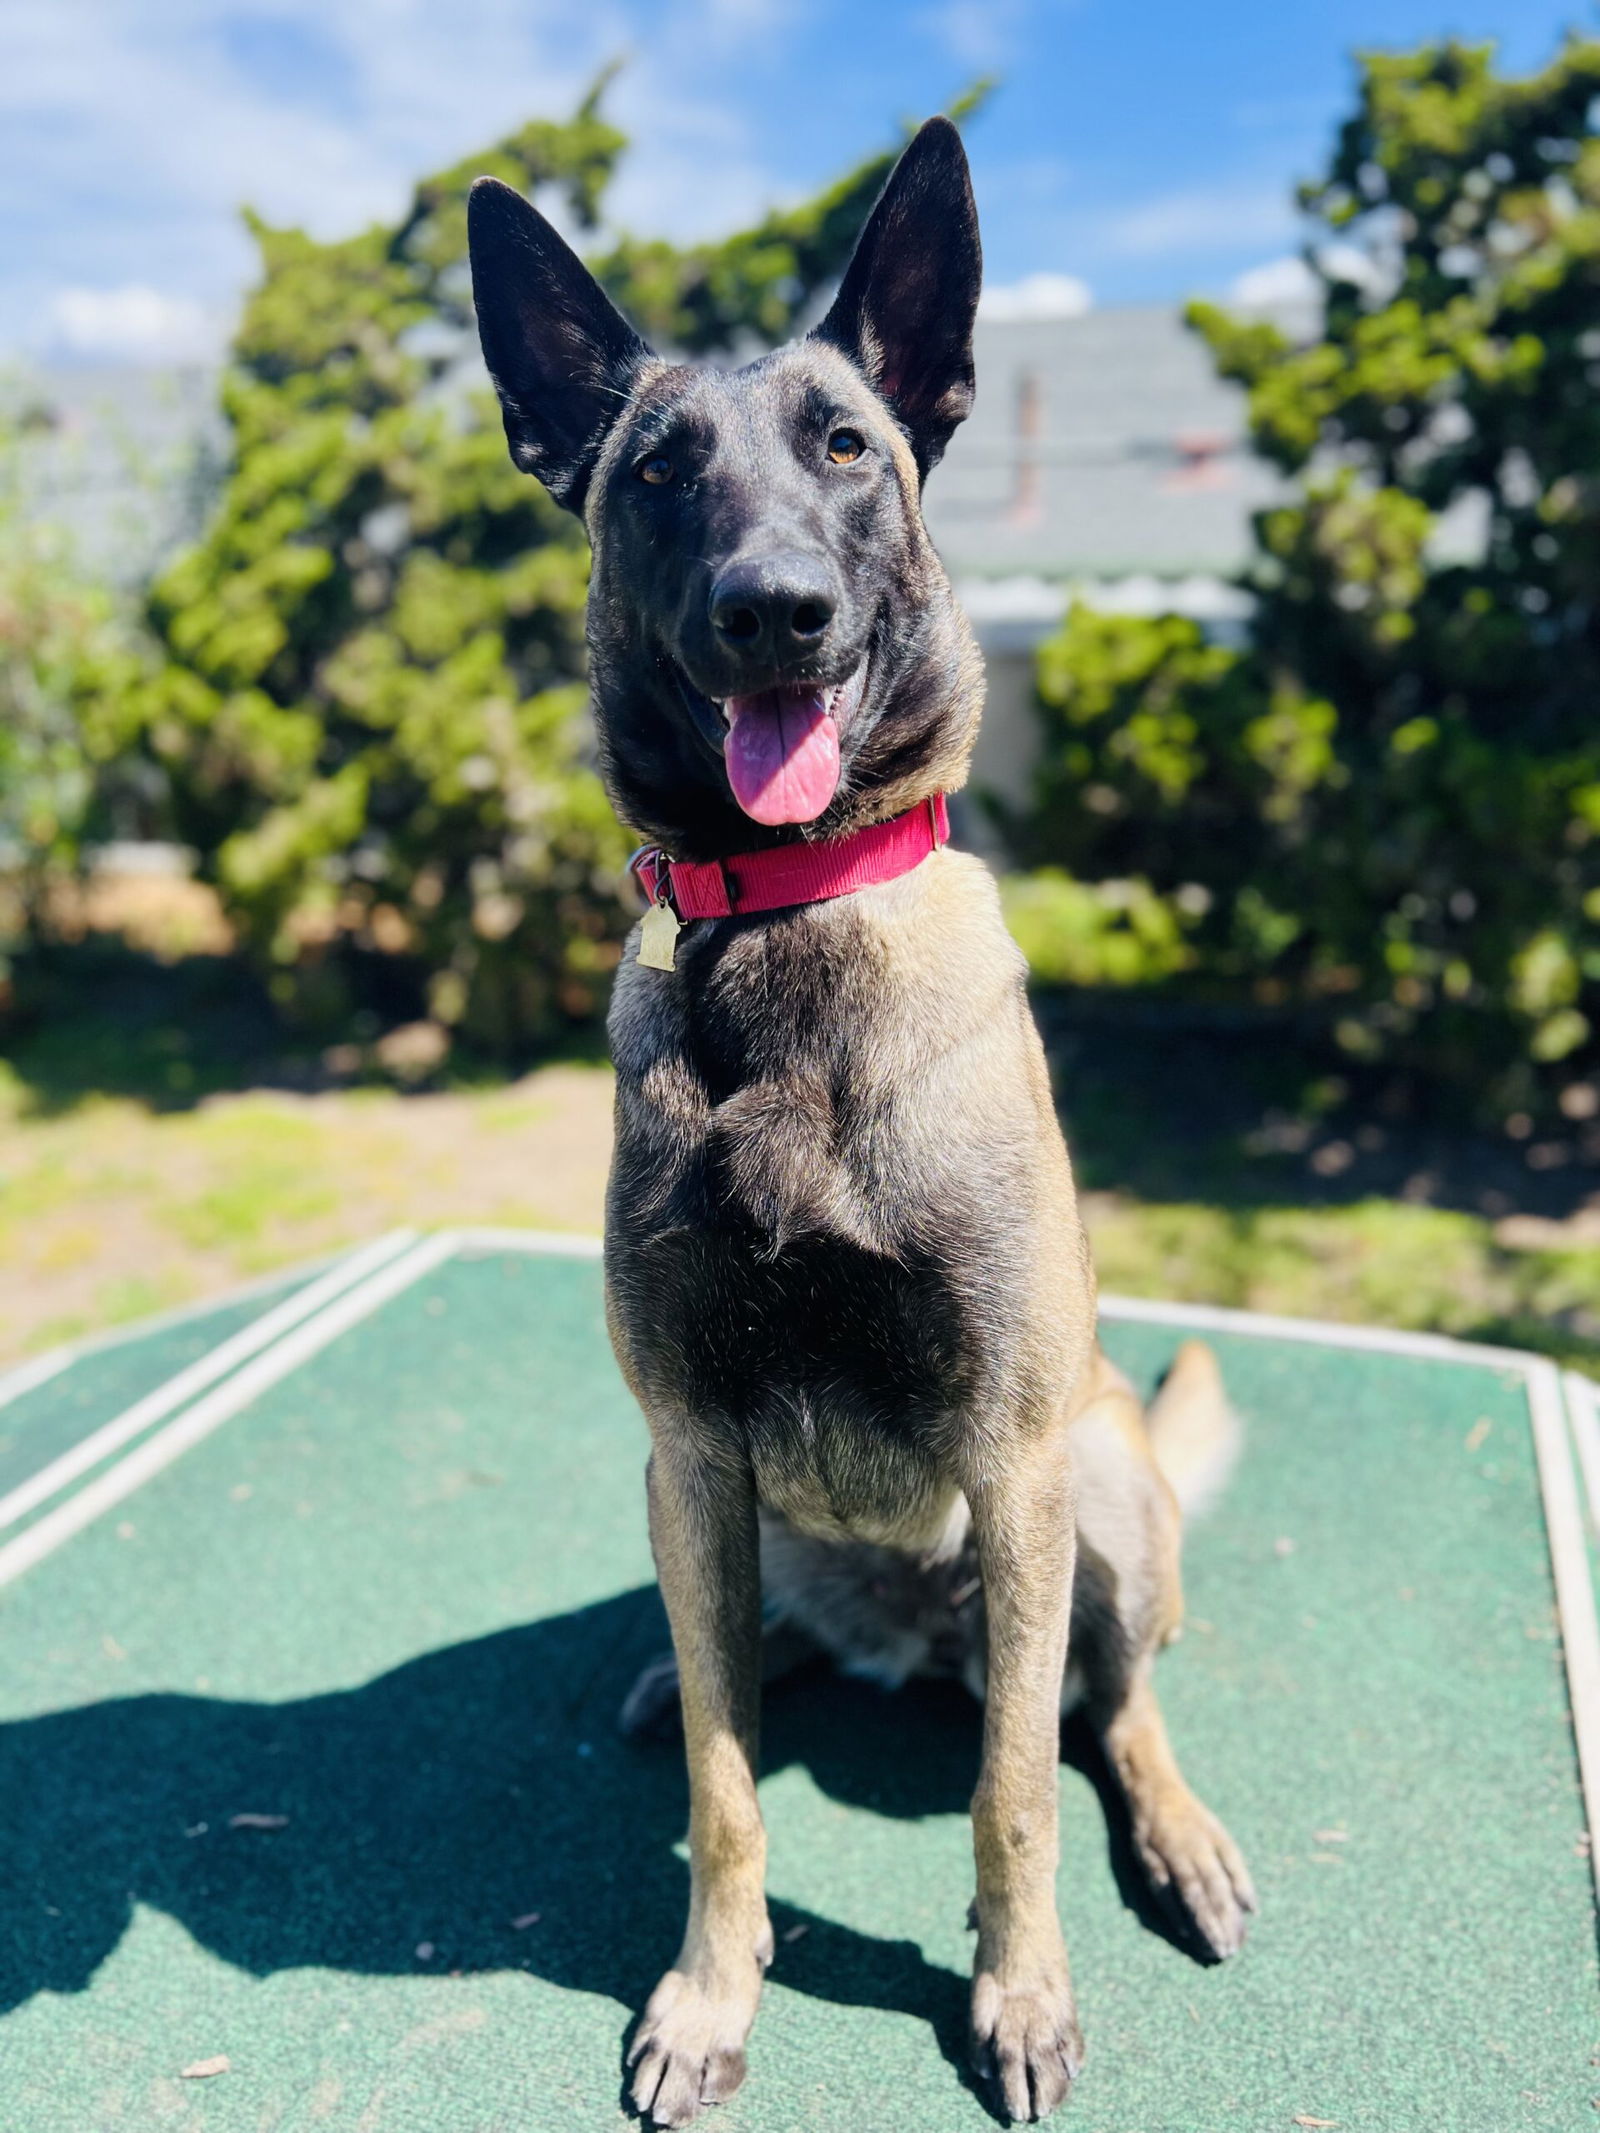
column 1194, row 1433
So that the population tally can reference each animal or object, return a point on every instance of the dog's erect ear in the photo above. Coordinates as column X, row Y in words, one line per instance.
column 559, row 351
column 905, row 308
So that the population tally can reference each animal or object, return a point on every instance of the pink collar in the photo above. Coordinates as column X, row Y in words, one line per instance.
column 793, row 873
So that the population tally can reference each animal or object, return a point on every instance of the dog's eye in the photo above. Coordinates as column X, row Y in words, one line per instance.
column 656, row 470
column 845, row 445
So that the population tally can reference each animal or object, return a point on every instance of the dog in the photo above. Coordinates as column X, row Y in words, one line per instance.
column 846, row 1277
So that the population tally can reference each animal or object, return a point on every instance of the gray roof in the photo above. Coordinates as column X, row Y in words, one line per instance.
column 1100, row 446
column 1137, row 458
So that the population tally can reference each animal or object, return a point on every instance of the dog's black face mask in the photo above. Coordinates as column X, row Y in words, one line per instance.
column 775, row 649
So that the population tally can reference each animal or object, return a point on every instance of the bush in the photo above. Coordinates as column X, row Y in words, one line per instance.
column 1099, row 933
column 69, row 660
column 370, row 711
column 1385, row 807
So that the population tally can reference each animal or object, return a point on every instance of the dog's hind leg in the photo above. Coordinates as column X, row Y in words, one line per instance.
column 1181, row 1844
column 1025, row 2033
column 689, row 2046
column 1133, row 1473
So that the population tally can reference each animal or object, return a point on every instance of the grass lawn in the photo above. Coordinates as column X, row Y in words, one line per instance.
column 112, row 1209
column 155, row 1148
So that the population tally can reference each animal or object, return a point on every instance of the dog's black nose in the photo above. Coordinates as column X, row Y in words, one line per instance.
column 773, row 608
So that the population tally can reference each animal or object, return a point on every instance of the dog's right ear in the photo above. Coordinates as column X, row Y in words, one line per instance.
column 560, row 353
column 904, row 311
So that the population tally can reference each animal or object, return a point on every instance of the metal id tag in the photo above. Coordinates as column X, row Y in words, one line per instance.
column 658, row 937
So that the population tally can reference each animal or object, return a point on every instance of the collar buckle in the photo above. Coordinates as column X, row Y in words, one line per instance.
column 652, row 870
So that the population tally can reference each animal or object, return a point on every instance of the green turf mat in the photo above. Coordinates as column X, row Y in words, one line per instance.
column 38, row 1425
column 397, row 1603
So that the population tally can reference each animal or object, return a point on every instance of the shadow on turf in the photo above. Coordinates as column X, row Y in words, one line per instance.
column 440, row 1802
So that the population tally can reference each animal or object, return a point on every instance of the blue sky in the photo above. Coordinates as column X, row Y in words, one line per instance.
column 1146, row 148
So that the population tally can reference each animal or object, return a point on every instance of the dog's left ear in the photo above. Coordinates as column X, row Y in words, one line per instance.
column 561, row 354
column 905, row 308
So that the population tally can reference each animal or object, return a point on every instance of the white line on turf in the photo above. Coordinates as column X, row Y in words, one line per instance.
column 1569, row 1560
column 556, row 1243
column 296, row 1347
column 1326, row 1333
column 39, row 1369
column 179, row 1390
column 1581, row 1406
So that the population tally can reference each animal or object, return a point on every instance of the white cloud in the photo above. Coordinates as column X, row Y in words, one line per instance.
column 133, row 324
column 697, row 164
column 131, row 131
column 1037, row 296
column 1275, row 283
column 976, row 33
column 1200, row 220
column 155, row 91
column 1348, row 262
column 1290, row 281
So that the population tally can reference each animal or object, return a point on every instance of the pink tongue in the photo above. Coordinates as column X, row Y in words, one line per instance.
column 782, row 754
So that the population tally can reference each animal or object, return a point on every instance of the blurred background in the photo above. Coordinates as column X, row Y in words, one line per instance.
column 1279, row 520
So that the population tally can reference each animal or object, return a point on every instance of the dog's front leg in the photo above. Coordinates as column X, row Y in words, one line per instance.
column 689, row 2047
column 1025, row 2032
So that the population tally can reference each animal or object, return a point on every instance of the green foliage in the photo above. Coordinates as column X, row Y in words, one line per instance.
column 371, row 718
column 1094, row 933
column 68, row 662
column 1385, row 805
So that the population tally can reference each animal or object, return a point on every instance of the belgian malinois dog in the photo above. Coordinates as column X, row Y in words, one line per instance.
column 845, row 1273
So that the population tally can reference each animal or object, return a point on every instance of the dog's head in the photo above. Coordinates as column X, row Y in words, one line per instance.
column 773, row 640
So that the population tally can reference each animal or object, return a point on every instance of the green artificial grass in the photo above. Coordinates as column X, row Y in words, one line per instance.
column 40, row 1424
column 397, row 1602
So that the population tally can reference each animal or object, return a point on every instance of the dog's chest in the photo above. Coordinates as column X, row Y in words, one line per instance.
column 836, row 1371
column 824, row 1075
column 824, row 1193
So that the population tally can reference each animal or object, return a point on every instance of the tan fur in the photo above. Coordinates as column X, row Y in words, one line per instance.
column 1194, row 1433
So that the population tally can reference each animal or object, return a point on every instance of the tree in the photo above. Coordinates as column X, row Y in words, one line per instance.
column 69, row 662
column 371, row 711
column 1387, row 804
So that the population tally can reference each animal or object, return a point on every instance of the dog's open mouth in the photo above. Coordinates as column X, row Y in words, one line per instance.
column 782, row 747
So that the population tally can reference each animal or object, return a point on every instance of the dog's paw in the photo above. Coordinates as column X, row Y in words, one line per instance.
column 1026, row 2042
column 688, row 2050
column 1187, row 1853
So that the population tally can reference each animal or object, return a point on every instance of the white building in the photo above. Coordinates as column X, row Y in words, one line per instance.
column 1104, row 460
